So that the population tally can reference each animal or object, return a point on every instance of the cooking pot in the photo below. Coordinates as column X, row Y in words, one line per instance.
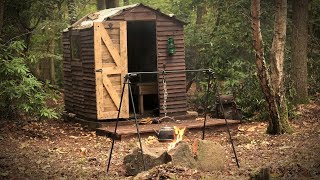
column 165, row 134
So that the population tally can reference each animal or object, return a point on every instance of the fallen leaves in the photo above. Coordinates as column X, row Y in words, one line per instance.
column 57, row 150
column 83, row 151
column 285, row 147
column 24, row 145
column 4, row 174
column 39, row 161
column 151, row 140
column 73, row 137
column 251, row 129
column 70, row 152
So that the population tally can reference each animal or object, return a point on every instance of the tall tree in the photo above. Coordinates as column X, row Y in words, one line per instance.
column 106, row 4
column 112, row 3
column 272, row 85
column 195, row 52
column 72, row 10
column 1, row 15
column 101, row 4
column 299, row 49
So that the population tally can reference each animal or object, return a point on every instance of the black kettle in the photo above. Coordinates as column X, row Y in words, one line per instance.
column 165, row 134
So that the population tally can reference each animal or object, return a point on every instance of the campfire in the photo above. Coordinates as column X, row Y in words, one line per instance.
column 178, row 137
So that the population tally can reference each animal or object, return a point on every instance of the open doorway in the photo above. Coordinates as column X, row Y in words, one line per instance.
column 142, row 57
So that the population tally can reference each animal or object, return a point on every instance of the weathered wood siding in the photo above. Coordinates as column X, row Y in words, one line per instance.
column 176, row 83
column 67, row 76
column 88, row 76
column 79, row 76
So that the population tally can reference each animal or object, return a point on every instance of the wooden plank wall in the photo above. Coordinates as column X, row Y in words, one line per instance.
column 79, row 76
column 176, row 83
column 67, row 76
column 88, row 77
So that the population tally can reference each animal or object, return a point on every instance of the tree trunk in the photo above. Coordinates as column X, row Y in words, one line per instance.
column 272, row 86
column 201, row 11
column 277, row 62
column 299, row 50
column 52, row 63
column 72, row 11
column 1, row 15
column 47, row 69
column 112, row 3
column 101, row 5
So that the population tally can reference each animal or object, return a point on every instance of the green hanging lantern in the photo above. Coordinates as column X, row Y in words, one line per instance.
column 171, row 47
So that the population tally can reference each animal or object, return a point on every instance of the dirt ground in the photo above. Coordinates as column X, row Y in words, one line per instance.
column 54, row 149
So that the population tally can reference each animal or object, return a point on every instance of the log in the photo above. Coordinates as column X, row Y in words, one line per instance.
column 152, row 156
column 181, row 155
column 210, row 156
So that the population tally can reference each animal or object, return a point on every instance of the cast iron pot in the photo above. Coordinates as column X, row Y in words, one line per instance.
column 165, row 134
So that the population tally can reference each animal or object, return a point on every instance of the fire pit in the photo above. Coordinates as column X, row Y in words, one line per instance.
column 178, row 152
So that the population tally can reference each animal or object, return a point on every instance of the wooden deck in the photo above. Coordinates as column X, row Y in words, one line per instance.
column 127, row 130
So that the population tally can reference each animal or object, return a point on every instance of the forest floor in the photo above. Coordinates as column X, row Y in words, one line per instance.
column 55, row 149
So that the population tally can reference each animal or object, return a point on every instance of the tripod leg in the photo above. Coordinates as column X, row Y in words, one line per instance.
column 136, row 123
column 228, row 129
column 116, row 126
column 206, row 108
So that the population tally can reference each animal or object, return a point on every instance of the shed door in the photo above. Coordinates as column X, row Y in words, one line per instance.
column 110, row 52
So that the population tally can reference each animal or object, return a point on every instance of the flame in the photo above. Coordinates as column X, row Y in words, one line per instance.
column 179, row 135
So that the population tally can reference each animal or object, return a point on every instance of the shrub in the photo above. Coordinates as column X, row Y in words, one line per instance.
column 20, row 92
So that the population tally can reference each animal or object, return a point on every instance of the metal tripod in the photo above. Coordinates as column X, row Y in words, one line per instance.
column 211, row 76
column 127, row 77
column 126, row 81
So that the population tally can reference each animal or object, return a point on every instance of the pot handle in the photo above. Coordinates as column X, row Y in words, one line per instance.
column 157, row 132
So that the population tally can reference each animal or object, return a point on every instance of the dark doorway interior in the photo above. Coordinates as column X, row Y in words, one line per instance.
column 142, row 56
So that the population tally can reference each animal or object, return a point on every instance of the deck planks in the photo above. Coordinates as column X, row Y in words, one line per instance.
column 130, row 129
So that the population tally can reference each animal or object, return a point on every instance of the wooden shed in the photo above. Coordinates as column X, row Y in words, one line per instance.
column 102, row 47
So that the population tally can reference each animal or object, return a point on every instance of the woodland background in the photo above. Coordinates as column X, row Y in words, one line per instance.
column 218, row 35
column 35, row 143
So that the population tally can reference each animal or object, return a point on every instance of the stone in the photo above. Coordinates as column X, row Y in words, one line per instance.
column 209, row 156
column 182, row 155
column 152, row 157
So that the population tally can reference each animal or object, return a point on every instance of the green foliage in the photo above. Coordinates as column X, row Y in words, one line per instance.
column 20, row 91
column 221, row 40
column 217, row 36
column 314, row 49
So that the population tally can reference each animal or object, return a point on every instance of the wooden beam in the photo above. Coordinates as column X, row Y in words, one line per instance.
column 109, row 44
column 98, row 65
column 110, row 89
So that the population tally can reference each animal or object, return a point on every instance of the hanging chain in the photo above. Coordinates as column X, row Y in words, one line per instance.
column 165, row 95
